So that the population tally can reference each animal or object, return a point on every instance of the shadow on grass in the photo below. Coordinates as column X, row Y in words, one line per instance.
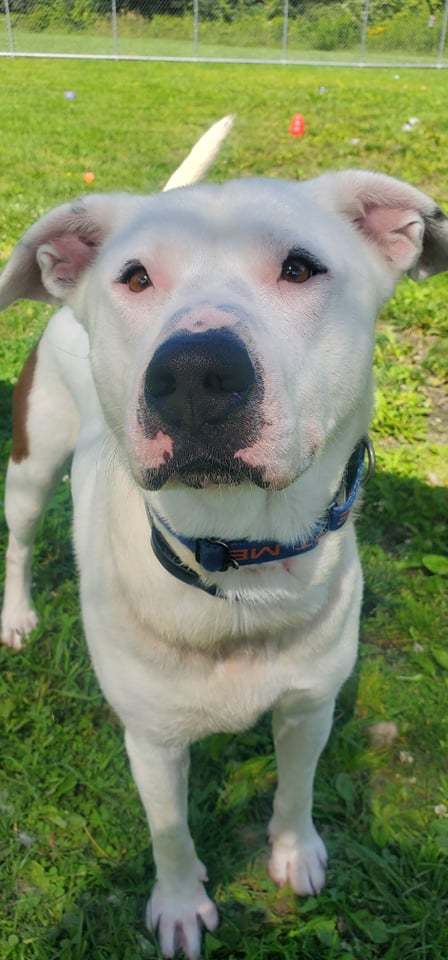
column 229, row 812
column 400, row 513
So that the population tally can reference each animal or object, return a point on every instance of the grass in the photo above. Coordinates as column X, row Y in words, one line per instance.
column 76, row 864
column 98, row 39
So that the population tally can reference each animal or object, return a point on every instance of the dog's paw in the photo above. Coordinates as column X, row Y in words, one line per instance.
column 300, row 863
column 178, row 920
column 17, row 623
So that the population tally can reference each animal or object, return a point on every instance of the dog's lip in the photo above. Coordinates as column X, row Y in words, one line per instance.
column 200, row 471
column 203, row 465
column 209, row 474
column 207, row 469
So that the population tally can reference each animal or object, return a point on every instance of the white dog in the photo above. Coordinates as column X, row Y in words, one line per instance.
column 211, row 370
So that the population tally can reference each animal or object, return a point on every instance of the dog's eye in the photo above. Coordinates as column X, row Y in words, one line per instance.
column 296, row 271
column 139, row 281
column 135, row 277
column 298, row 268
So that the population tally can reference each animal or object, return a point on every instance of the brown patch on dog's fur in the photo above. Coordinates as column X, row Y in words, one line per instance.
column 20, row 445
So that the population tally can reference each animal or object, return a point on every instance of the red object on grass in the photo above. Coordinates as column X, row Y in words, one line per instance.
column 297, row 125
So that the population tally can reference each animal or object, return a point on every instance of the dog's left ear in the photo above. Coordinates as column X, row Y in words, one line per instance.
column 408, row 228
column 51, row 256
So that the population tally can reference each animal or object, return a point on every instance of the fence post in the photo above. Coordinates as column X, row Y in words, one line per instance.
column 443, row 29
column 195, row 27
column 285, row 28
column 9, row 27
column 114, row 27
column 364, row 25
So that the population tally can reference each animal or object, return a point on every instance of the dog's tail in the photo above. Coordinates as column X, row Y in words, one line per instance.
column 201, row 157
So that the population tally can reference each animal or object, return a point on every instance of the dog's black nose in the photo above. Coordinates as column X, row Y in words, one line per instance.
column 199, row 378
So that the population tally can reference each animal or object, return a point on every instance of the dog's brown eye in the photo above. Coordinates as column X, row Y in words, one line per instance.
column 300, row 265
column 135, row 277
column 296, row 270
column 139, row 281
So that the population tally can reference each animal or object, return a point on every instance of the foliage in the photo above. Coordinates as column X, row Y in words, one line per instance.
column 399, row 24
column 48, row 14
column 330, row 30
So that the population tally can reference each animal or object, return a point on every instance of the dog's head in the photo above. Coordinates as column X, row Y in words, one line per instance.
column 231, row 327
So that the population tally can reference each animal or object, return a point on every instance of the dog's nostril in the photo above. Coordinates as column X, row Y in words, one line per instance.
column 234, row 374
column 213, row 383
column 217, row 383
column 160, row 382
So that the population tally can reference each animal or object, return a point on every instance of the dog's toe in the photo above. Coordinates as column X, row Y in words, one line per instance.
column 178, row 920
column 301, row 864
column 16, row 625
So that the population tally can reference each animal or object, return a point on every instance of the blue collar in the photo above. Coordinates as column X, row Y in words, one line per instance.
column 216, row 555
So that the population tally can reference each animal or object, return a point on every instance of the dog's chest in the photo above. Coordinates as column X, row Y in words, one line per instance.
column 229, row 694
column 237, row 690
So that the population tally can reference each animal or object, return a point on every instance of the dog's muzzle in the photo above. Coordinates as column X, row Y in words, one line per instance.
column 202, row 393
column 199, row 380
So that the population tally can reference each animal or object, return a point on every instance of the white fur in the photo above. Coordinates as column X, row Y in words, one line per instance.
column 175, row 663
column 195, row 166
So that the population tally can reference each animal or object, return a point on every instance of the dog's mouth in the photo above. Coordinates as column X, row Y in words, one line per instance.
column 201, row 473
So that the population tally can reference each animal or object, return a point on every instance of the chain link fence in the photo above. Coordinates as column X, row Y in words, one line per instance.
column 353, row 32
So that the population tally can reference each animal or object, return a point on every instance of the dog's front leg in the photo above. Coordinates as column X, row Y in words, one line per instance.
column 179, row 904
column 298, row 854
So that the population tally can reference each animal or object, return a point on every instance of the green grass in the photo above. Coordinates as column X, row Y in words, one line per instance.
column 76, row 863
column 139, row 41
column 27, row 41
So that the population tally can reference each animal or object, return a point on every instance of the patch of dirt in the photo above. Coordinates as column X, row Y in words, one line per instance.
column 438, row 417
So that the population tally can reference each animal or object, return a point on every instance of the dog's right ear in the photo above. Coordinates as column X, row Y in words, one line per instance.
column 53, row 253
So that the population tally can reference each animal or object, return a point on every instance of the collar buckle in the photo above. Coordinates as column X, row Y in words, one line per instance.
column 214, row 555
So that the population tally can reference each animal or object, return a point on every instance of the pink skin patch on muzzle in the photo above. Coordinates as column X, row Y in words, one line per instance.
column 267, row 453
column 155, row 451
column 206, row 317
